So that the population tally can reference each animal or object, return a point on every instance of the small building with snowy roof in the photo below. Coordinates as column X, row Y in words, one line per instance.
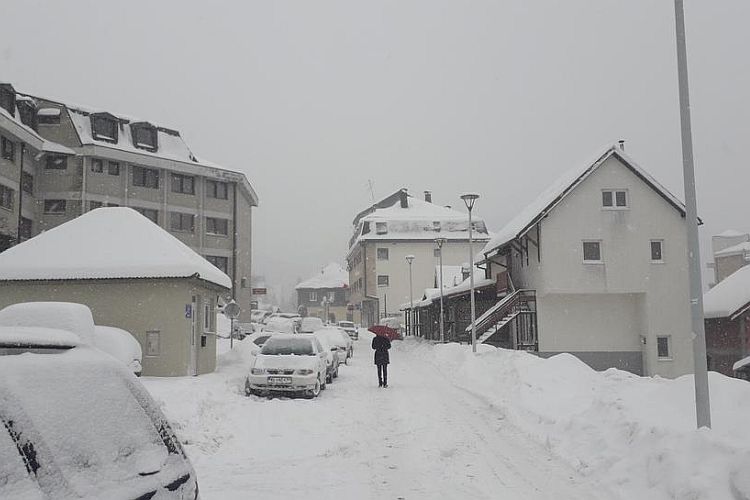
column 326, row 295
column 131, row 274
column 731, row 251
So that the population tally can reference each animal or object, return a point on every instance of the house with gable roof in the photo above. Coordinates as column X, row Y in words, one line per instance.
column 595, row 267
column 326, row 295
column 133, row 275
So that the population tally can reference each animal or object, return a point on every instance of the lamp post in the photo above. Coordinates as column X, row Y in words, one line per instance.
column 410, row 260
column 440, row 242
column 469, row 200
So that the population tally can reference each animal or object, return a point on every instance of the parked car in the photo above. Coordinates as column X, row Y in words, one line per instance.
column 350, row 328
column 280, row 325
column 288, row 364
column 257, row 340
column 332, row 356
column 121, row 345
column 311, row 324
column 340, row 340
column 105, row 437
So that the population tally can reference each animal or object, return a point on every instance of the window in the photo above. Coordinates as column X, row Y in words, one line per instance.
column 436, row 252
column 662, row 347
column 8, row 99
column 313, row 296
column 208, row 315
column 8, row 149
column 217, row 189
column 54, row 207
column 48, row 116
column 331, row 296
column 27, row 182
column 144, row 136
column 183, row 184
column 381, row 228
column 97, row 165
column 104, row 127
column 149, row 213
column 24, row 231
column 615, row 198
column 145, row 177
column 657, row 254
column 220, row 262
column 181, row 222
column 436, row 225
column 153, row 343
column 217, row 226
column 6, row 197
column 56, row 162
column 113, row 168
column 592, row 251
column 382, row 280
column 93, row 205
column 382, row 254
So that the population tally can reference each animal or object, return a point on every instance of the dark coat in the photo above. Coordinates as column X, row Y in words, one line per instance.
column 381, row 346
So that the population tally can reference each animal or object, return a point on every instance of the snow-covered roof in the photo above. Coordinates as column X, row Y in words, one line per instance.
column 739, row 249
column 730, row 233
column 29, row 135
column 452, row 275
column 433, row 294
column 115, row 242
column 555, row 193
column 728, row 297
column 331, row 276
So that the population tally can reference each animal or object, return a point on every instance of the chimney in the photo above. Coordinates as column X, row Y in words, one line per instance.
column 404, row 199
column 621, row 142
column 428, row 196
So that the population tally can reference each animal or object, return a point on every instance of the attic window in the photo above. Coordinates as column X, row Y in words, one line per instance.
column 104, row 127
column 144, row 136
column 615, row 199
column 48, row 116
column 381, row 227
column 27, row 111
column 8, row 99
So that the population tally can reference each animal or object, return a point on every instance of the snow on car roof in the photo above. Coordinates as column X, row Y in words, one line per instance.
column 68, row 316
column 113, row 242
column 36, row 335
column 728, row 297
column 331, row 276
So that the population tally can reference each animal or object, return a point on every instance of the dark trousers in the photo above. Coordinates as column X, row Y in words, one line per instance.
column 383, row 374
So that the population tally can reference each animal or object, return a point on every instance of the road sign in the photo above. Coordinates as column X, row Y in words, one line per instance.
column 259, row 291
column 232, row 310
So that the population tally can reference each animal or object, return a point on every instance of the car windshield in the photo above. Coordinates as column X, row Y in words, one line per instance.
column 346, row 324
column 261, row 340
column 299, row 346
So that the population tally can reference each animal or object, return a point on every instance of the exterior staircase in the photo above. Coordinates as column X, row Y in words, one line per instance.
column 518, row 307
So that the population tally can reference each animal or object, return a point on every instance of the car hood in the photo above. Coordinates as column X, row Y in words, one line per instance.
column 285, row 361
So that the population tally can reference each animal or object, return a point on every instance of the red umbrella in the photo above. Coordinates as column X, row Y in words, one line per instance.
column 384, row 331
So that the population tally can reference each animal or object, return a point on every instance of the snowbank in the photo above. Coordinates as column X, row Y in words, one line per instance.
column 634, row 434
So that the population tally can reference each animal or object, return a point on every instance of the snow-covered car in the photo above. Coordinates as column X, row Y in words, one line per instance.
column 350, row 328
column 332, row 356
column 339, row 339
column 74, row 423
column 280, row 325
column 311, row 324
column 257, row 340
column 288, row 364
column 258, row 315
column 121, row 345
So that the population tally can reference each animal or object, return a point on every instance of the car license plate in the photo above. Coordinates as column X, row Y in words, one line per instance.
column 279, row 380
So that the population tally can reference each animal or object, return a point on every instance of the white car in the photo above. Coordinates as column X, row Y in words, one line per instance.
column 339, row 339
column 104, row 438
column 311, row 324
column 350, row 328
column 332, row 356
column 121, row 345
column 280, row 325
column 288, row 364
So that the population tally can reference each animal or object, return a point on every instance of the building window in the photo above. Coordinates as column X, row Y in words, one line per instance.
column 209, row 315
column 662, row 347
column 217, row 189
column 93, row 205
column 657, row 247
column 145, row 177
column 56, row 162
column 97, row 165
column 149, row 213
column 182, row 222
column 8, row 99
column 6, row 197
column 382, row 254
column 54, row 207
column 184, row 184
column 331, row 296
column 614, row 198
column 220, row 262
column 217, row 226
column 436, row 252
column 436, row 225
column 113, row 168
column 104, row 127
column 144, row 136
column 48, row 116
column 381, row 227
column 313, row 296
column 592, row 251
column 8, row 149
column 24, row 231
column 153, row 343
column 27, row 182
column 382, row 280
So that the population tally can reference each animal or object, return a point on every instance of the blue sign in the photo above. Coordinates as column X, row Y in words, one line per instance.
column 188, row 310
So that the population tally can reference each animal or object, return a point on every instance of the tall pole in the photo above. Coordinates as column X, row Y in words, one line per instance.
column 410, row 259
column 440, row 242
column 702, row 402
column 469, row 199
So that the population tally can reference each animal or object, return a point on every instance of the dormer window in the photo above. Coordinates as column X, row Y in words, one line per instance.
column 144, row 136
column 27, row 112
column 48, row 116
column 381, row 228
column 8, row 99
column 104, row 127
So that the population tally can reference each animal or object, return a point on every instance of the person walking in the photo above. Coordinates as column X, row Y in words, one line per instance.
column 381, row 344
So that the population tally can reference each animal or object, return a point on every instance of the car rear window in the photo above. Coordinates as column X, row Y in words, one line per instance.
column 298, row 346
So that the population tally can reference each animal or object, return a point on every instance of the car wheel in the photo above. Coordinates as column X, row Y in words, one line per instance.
column 329, row 378
column 313, row 393
column 336, row 373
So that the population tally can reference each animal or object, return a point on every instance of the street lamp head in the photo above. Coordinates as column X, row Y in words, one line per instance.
column 469, row 199
column 439, row 242
column 409, row 259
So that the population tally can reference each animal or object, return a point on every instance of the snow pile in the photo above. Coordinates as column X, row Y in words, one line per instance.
column 634, row 434
column 331, row 276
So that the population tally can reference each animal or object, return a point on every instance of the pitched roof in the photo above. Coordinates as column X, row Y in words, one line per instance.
column 331, row 276
column 729, row 297
column 739, row 249
column 106, row 243
column 555, row 193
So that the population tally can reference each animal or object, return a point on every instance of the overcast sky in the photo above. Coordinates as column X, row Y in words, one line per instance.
column 313, row 99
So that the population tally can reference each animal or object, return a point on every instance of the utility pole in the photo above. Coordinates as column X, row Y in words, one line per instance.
column 469, row 199
column 702, row 402
column 440, row 242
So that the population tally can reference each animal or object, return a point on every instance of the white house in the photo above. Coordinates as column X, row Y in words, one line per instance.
column 596, row 267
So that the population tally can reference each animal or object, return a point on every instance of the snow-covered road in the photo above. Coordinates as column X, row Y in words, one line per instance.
column 421, row 438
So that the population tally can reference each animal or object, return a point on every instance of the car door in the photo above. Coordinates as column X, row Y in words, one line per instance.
column 322, row 357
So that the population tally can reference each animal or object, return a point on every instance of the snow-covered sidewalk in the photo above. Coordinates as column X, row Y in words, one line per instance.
column 422, row 438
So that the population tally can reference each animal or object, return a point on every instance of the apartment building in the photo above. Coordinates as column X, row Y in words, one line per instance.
column 60, row 161
column 386, row 233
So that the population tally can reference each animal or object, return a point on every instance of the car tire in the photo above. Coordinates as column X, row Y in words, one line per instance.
column 329, row 378
column 314, row 392
column 336, row 373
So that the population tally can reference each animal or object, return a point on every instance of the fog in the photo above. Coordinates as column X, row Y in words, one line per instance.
column 316, row 101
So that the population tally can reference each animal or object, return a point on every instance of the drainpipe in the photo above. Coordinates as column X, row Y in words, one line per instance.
column 234, row 240
column 20, row 196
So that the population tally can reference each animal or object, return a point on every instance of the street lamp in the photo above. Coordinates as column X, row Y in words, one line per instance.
column 439, row 242
column 469, row 200
column 410, row 260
